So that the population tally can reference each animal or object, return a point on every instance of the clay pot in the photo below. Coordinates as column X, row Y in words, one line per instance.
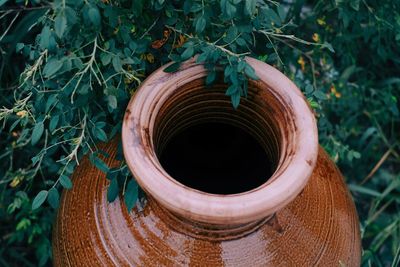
column 302, row 215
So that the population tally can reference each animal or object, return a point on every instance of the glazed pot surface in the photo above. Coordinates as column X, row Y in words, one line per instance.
column 299, row 213
column 319, row 228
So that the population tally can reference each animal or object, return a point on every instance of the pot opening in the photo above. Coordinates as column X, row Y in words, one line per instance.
column 274, row 113
column 205, row 144
column 216, row 158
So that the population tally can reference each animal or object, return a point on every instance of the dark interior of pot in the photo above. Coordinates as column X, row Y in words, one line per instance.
column 204, row 143
column 215, row 157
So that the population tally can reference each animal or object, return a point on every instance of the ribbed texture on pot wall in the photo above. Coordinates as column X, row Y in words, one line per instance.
column 194, row 104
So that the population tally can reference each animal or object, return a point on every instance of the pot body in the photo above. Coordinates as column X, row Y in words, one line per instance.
column 319, row 228
column 302, row 215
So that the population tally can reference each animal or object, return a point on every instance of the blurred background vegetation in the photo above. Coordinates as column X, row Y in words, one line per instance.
column 68, row 68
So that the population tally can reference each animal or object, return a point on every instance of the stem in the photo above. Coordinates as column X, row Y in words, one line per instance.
column 83, row 72
column 210, row 44
column 9, row 26
column 74, row 153
column 307, row 55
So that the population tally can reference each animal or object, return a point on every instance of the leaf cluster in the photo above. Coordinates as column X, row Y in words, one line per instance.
column 68, row 68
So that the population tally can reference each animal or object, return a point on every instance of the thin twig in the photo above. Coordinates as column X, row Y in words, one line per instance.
column 276, row 51
column 210, row 44
column 9, row 26
column 5, row 14
column 149, row 29
column 307, row 55
column 377, row 166
column 23, row 8
column 382, row 134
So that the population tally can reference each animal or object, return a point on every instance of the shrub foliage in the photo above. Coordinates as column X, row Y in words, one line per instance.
column 69, row 67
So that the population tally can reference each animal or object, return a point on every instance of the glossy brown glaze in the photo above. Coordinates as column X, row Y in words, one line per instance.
column 319, row 228
column 302, row 215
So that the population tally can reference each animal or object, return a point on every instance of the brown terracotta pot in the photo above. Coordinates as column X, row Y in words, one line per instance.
column 302, row 215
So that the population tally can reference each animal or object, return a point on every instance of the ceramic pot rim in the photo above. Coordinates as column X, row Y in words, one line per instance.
column 281, row 189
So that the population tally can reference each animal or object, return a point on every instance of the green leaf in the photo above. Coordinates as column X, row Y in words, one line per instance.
column 52, row 66
column 60, row 24
column 105, row 58
column 263, row 58
column 53, row 122
column 228, row 9
column 364, row 190
column 250, row 6
column 71, row 16
column 50, row 101
column 173, row 67
column 240, row 41
column 202, row 57
column 112, row 191
column 234, row 77
column 187, row 53
column 23, row 224
column 355, row 4
column 242, row 64
column 39, row 199
column 353, row 154
column 100, row 124
column 273, row 16
column 113, row 173
column 53, row 198
column 19, row 47
column 215, row 55
column 232, row 89
column 211, row 77
column 2, row 2
column 65, row 182
column 235, row 98
column 188, row 44
column 35, row 159
column 228, row 70
column 245, row 88
column 131, row 194
column 231, row 34
column 339, row 2
column 347, row 73
column 37, row 132
column 112, row 102
column 320, row 95
column 309, row 89
column 329, row 47
column 94, row 16
column 84, row 89
column 78, row 63
column 281, row 12
column 117, row 64
column 99, row 163
column 187, row 6
column 200, row 24
column 250, row 72
column 100, row 134
column 313, row 103
column 45, row 35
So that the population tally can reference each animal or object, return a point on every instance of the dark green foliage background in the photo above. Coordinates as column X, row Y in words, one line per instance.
column 68, row 68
